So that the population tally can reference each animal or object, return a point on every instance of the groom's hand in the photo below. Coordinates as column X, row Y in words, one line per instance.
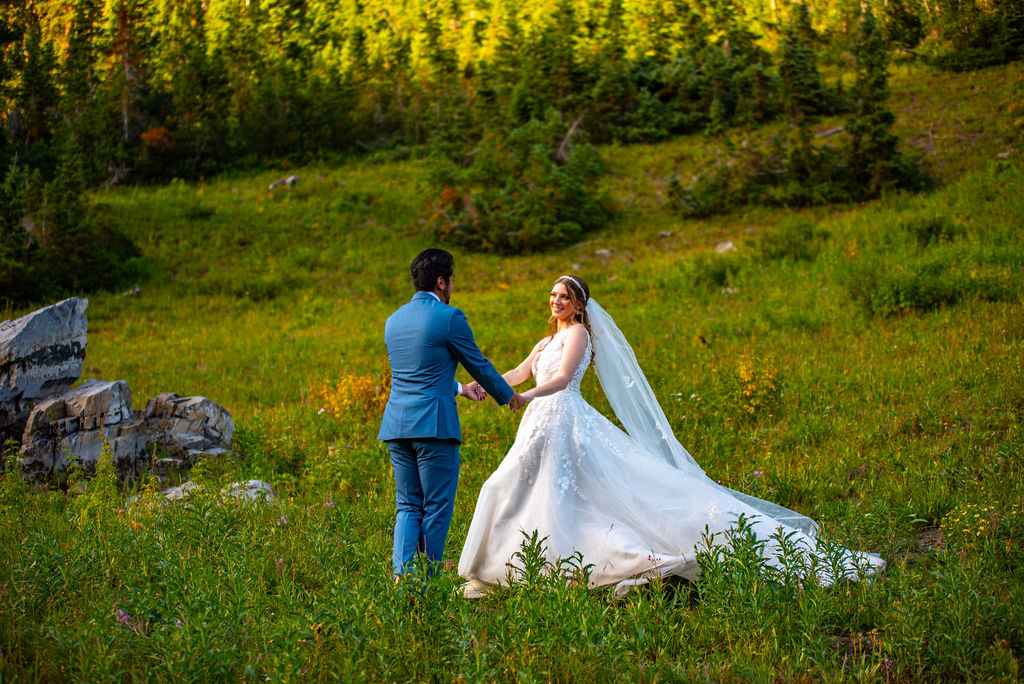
column 517, row 402
column 474, row 391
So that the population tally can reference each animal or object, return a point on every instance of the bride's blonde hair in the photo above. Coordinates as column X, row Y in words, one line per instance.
column 579, row 294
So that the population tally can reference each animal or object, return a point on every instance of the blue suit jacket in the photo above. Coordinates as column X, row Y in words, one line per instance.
column 426, row 339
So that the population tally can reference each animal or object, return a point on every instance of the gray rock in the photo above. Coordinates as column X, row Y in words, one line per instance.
column 76, row 425
column 165, row 466
column 182, row 491
column 286, row 182
column 188, row 427
column 252, row 490
column 724, row 247
column 41, row 356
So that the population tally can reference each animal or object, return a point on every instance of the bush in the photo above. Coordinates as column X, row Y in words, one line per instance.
column 982, row 34
column 885, row 287
column 795, row 239
column 712, row 271
column 525, row 192
column 903, row 23
column 708, row 194
column 932, row 229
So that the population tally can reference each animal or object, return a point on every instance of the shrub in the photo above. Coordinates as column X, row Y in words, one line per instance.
column 712, row 271
column 354, row 396
column 933, row 229
column 708, row 194
column 760, row 388
column 884, row 288
column 528, row 191
column 795, row 239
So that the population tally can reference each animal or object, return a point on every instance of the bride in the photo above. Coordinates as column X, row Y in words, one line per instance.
column 634, row 504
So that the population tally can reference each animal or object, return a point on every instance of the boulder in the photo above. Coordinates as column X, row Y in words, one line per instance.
column 182, row 491
column 251, row 490
column 41, row 356
column 188, row 427
column 78, row 423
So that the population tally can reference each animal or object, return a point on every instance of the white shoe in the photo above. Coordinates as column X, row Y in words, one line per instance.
column 474, row 589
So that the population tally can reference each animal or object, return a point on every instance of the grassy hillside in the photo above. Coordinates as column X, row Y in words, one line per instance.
column 865, row 360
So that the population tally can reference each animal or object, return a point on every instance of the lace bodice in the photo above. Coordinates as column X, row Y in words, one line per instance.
column 548, row 360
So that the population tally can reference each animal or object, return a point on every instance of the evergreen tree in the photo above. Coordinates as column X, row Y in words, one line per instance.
column 438, row 67
column 872, row 156
column 83, row 117
column 78, row 76
column 37, row 101
column 560, row 52
column 12, row 214
column 802, row 91
column 15, row 271
column 194, row 83
column 125, row 49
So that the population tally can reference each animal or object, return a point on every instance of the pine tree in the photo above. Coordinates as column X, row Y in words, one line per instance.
column 82, row 114
column 64, row 213
column 802, row 91
column 14, row 264
column 126, row 47
column 194, row 83
column 560, row 35
column 37, row 98
column 12, row 212
column 872, row 155
column 78, row 77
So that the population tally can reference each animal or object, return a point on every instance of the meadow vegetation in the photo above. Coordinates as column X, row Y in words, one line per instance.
column 859, row 364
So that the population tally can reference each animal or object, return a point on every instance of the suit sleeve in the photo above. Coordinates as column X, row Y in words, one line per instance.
column 463, row 347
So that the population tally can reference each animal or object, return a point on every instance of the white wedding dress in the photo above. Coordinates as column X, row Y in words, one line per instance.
column 634, row 505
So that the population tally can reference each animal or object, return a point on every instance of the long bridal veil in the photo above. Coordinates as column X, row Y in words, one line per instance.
column 639, row 412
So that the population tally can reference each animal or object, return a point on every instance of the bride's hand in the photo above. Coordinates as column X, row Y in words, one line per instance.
column 517, row 402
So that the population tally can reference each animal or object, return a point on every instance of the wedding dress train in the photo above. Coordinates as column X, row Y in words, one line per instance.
column 633, row 503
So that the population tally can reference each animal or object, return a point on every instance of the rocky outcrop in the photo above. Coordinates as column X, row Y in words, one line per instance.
column 41, row 356
column 187, row 426
column 76, row 425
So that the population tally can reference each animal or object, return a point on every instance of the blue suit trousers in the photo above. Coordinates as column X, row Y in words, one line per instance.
column 426, row 478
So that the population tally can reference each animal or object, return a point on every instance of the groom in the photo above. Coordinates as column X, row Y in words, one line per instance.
column 426, row 339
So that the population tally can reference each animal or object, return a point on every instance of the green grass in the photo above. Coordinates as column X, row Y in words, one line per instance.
column 887, row 418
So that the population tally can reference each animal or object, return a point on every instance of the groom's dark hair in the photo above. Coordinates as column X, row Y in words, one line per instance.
column 428, row 266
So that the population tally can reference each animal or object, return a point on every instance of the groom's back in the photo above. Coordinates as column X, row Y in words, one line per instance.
column 422, row 401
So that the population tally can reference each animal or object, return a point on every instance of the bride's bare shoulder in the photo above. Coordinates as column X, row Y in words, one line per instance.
column 578, row 332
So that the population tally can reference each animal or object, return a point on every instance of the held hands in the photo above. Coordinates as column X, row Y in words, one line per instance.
column 474, row 391
column 517, row 402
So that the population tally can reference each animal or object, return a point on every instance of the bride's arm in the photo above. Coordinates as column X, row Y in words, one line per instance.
column 523, row 371
column 572, row 353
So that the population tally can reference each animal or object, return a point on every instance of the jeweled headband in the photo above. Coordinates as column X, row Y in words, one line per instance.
column 579, row 286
